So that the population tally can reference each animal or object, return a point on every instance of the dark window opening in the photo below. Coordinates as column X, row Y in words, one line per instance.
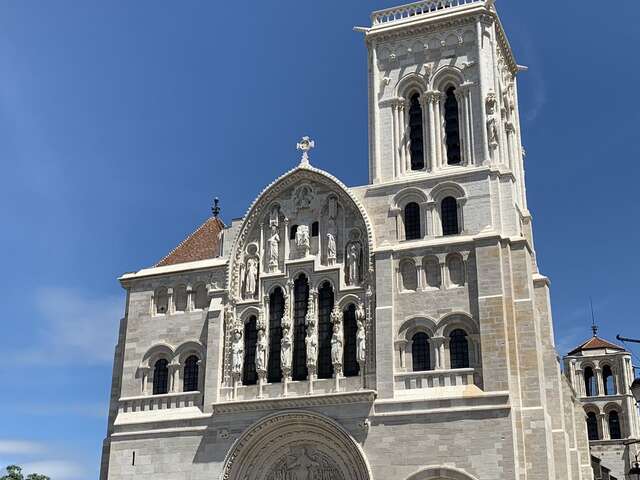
column 412, row 230
column 420, row 352
column 449, row 212
column 590, row 386
column 293, row 231
column 452, row 127
column 614, row 426
column 350, row 361
column 315, row 229
column 592, row 426
column 416, row 133
column 249, row 374
column 190, row 380
column 301, row 297
column 276, row 312
column 459, row 349
column 325, row 330
column 608, row 381
column 161, row 377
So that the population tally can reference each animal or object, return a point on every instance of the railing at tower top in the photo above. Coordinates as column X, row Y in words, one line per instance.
column 404, row 12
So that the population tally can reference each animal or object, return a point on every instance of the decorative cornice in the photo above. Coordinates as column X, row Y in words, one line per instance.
column 364, row 396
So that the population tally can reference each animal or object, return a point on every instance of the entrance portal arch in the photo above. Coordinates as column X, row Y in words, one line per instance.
column 296, row 446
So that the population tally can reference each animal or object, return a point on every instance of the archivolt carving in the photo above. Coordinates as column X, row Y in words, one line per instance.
column 296, row 445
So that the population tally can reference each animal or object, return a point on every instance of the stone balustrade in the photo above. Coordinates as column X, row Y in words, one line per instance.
column 413, row 9
column 160, row 402
column 435, row 379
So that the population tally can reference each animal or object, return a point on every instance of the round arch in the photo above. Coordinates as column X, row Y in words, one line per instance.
column 441, row 473
column 284, row 442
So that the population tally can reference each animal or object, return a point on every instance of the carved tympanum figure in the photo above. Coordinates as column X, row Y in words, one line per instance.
column 302, row 239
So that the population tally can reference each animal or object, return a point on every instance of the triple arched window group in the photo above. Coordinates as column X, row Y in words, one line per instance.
column 430, row 274
column 180, row 298
column 299, row 371
column 611, row 422
column 591, row 384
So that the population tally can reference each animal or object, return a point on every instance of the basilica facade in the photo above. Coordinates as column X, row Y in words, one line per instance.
column 396, row 330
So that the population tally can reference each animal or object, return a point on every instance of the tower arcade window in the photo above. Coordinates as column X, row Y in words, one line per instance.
column 161, row 377
column 162, row 300
column 301, row 298
column 416, row 133
column 452, row 127
column 590, row 385
column 292, row 232
column 249, row 374
column 190, row 380
column 592, row 426
column 449, row 214
column 614, row 426
column 459, row 349
column 608, row 381
column 325, row 330
column 276, row 311
column 420, row 352
column 350, row 362
column 200, row 297
column 315, row 229
column 412, row 228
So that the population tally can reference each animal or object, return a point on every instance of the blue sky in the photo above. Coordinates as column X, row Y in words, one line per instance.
column 120, row 121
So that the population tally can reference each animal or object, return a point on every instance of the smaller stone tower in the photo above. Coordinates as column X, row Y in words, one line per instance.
column 601, row 374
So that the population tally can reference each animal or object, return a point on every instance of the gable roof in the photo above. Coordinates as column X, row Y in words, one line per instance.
column 202, row 244
column 596, row 343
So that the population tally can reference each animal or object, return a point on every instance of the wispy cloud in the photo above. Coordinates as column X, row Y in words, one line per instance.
column 20, row 447
column 35, row 457
column 76, row 327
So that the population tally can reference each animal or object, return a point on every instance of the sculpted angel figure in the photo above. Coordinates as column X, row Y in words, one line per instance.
column 273, row 248
column 336, row 345
column 261, row 352
column 353, row 262
column 251, row 277
column 237, row 352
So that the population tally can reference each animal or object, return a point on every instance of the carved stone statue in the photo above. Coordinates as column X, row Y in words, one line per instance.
column 251, row 278
column 492, row 132
column 333, row 208
column 286, row 353
column 237, row 352
column 361, row 343
column 331, row 249
column 311, row 341
column 273, row 249
column 261, row 352
column 336, row 315
column 303, row 197
column 336, row 345
column 353, row 264
column 302, row 239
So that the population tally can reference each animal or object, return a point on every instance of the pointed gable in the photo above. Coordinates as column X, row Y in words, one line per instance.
column 202, row 244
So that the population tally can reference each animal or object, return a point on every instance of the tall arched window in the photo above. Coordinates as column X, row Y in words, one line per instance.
column 412, row 230
column 455, row 264
column 592, row 426
column 161, row 377
column 608, row 381
column 449, row 214
column 590, row 385
column 416, row 133
column 162, row 300
column 190, row 376
column 325, row 330
column 200, row 294
column 351, row 367
column 452, row 127
column 276, row 312
column 614, row 426
column 249, row 374
column 459, row 349
column 431, row 267
column 180, row 298
column 409, row 275
column 301, row 297
column 420, row 352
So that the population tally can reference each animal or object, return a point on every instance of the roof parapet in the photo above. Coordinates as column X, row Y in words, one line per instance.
column 407, row 12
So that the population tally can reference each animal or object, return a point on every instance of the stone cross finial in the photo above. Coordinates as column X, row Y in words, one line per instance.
column 215, row 208
column 305, row 145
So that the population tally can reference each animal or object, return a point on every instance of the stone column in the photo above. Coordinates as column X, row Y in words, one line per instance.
column 287, row 234
column 403, row 136
column 395, row 120
column 424, row 105
column 598, row 374
column 170, row 304
column 431, row 129
column 214, row 341
column 430, row 220
column 604, row 427
column 438, row 350
column 174, row 383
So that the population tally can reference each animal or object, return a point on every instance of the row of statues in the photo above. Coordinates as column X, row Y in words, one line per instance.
column 311, row 342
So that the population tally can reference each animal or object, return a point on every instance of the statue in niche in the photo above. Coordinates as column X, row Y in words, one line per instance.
column 492, row 132
column 273, row 248
column 353, row 264
column 251, row 278
column 274, row 217
column 361, row 336
column 336, row 345
column 331, row 249
column 336, row 315
column 303, row 197
column 333, row 208
column 229, row 316
column 286, row 352
column 311, row 341
column 237, row 352
column 261, row 352
column 302, row 239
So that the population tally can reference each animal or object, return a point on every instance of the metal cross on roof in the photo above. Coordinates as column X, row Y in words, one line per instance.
column 305, row 145
column 215, row 208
